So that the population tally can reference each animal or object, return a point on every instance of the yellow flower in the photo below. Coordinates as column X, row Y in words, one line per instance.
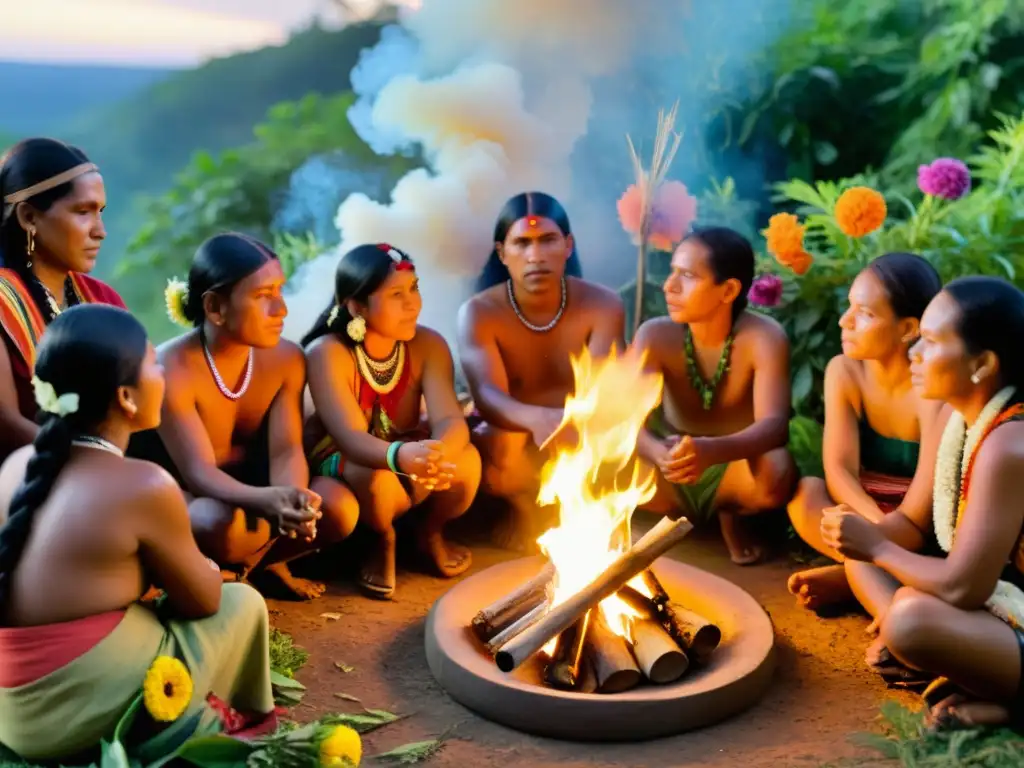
column 167, row 689
column 341, row 747
column 176, row 295
column 860, row 211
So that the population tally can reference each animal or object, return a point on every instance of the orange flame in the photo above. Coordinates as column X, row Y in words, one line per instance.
column 612, row 400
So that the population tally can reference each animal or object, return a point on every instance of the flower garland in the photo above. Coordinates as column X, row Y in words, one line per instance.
column 953, row 466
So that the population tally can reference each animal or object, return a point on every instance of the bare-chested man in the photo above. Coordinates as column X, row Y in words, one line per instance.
column 719, row 439
column 232, row 421
column 516, row 337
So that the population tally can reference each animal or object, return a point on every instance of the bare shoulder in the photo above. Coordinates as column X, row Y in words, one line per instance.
column 658, row 333
column 329, row 351
column 594, row 297
column 1002, row 453
column 177, row 356
column 761, row 331
column 429, row 342
column 146, row 489
column 11, row 474
column 843, row 371
column 483, row 305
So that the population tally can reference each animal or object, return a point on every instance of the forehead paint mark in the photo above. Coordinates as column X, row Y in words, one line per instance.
column 532, row 221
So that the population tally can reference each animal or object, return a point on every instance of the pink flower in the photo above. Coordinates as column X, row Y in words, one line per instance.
column 945, row 177
column 766, row 291
column 672, row 213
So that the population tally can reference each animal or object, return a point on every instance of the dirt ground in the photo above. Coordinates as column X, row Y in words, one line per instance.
column 821, row 692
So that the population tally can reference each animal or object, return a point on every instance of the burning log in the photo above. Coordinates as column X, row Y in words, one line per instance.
column 512, row 630
column 564, row 670
column 615, row 670
column 588, row 677
column 503, row 613
column 561, row 617
column 658, row 655
column 694, row 633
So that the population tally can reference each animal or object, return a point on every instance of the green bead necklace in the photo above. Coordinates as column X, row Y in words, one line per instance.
column 706, row 389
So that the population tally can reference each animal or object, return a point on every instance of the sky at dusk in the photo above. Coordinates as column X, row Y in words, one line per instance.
column 179, row 33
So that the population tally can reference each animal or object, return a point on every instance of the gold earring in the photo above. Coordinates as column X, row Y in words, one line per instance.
column 30, row 249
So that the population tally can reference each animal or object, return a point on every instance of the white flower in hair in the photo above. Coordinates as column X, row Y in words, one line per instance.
column 48, row 400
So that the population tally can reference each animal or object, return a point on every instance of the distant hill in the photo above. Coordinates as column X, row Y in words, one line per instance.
column 40, row 98
column 141, row 142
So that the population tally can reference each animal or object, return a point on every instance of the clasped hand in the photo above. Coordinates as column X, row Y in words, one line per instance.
column 685, row 459
column 426, row 464
column 296, row 511
column 850, row 534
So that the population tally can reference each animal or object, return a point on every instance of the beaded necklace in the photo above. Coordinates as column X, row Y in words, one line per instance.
column 706, row 389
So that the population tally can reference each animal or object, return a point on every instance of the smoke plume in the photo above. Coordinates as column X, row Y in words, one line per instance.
column 498, row 97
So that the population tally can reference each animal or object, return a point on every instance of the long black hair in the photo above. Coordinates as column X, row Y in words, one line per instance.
column 730, row 257
column 992, row 318
column 24, row 165
column 910, row 281
column 220, row 263
column 538, row 204
column 89, row 350
column 359, row 274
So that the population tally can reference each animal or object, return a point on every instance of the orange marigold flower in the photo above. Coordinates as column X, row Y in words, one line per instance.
column 800, row 262
column 784, row 236
column 860, row 211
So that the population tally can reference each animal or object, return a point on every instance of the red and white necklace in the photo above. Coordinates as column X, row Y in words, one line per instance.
column 220, row 382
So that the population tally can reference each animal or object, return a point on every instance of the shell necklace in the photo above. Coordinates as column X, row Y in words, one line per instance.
column 527, row 323
column 217, row 377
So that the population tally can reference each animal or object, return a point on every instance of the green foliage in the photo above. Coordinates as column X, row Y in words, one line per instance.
column 981, row 233
column 903, row 740
column 925, row 76
column 286, row 658
column 237, row 190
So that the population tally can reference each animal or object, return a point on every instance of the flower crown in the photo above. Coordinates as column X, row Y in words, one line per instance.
column 48, row 400
column 402, row 263
column 176, row 297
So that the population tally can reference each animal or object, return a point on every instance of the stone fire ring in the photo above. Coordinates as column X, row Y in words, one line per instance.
column 735, row 679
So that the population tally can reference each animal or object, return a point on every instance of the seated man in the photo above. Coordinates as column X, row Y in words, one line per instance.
column 532, row 313
column 232, row 421
column 719, row 439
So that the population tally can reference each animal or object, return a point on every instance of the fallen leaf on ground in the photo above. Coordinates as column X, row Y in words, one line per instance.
column 408, row 754
column 348, row 697
column 331, row 616
column 344, row 667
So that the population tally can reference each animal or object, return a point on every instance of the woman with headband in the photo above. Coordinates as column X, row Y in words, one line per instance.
column 51, row 229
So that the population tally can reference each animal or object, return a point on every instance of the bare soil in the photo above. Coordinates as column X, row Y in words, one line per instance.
column 822, row 692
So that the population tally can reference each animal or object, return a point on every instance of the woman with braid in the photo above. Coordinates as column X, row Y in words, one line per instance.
column 370, row 369
column 51, row 229
column 85, row 533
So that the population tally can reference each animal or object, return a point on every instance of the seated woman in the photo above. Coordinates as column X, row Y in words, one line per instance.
column 370, row 367
column 232, row 421
column 51, row 229
column 874, row 420
column 958, row 617
column 85, row 533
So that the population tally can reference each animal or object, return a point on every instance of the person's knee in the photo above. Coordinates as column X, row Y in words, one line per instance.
column 339, row 509
column 246, row 607
column 223, row 532
column 468, row 470
column 776, row 477
column 805, row 507
column 387, row 499
column 910, row 624
column 507, row 467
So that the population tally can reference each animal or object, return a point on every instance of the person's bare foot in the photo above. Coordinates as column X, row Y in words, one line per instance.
column 377, row 577
column 293, row 586
column 877, row 655
column 743, row 549
column 957, row 712
column 819, row 587
column 449, row 558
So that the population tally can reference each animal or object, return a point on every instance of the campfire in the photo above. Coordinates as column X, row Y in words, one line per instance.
column 597, row 613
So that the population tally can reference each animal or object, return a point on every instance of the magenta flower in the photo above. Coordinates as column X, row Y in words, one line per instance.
column 766, row 291
column 945, row 177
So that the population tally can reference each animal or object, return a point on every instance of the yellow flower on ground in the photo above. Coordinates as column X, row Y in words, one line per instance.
column 341, row 747
column 176, row 295
column 860, row 211
column 167, row 689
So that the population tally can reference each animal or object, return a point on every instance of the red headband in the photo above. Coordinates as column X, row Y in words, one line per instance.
column 402, row 264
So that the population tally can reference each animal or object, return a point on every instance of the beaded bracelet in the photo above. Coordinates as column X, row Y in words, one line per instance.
column 393, row 456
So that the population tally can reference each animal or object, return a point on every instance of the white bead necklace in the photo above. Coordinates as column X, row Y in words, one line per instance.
column 220, row 382
column 527, row 323
column 98, row 443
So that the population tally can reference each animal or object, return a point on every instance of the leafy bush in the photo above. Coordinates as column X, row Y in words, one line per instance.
column 979, row 233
